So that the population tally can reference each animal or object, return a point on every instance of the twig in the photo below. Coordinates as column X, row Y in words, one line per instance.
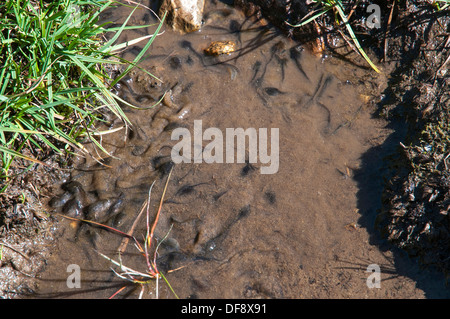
column 159, row 212
column 126, row 270
column 124, row 243
column 387, row 28
column 445, row 161
column 444, row 64
column 118, row 291
column 353, row 9
column 348, row 41
column 15, row 249
column 103, row 226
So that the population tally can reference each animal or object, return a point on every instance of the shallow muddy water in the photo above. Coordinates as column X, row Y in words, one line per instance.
column 230, row 231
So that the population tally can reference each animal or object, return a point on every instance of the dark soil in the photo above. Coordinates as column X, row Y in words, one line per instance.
column 416, row 199
column 27, row 231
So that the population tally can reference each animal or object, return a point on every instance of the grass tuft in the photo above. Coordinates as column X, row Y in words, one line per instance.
column 54, row 81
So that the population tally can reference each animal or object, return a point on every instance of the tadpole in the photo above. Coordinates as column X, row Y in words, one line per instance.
column 157, row 161
column 235, row 27
column 270, row 197
column 277, row 50
column 74, row 208
column 282, row 62
column 164, row 168
column 98, row 210
column 60, row 201
column 117, row 206
column 243, row 212
column 247, row 168
column 218, row 195
column 295, row 54
column 187, row 189
column 188, row 46
column 321, row 87
column 175, row 62
column 255, row 69
column 273, row 91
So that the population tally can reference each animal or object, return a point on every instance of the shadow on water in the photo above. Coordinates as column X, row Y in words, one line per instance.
column 409, row 32
column 105, row 288
column 376, row 170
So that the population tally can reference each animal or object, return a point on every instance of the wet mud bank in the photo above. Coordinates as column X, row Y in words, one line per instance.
column 309, row 230
column 415, row 202
column 27, row 231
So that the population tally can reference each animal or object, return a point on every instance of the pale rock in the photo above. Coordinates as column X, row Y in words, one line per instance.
column 183, row 15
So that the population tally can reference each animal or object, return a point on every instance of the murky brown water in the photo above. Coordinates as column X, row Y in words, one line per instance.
column 233, row 232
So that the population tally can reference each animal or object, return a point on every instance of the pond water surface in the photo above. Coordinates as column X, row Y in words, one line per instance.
column 230, row 231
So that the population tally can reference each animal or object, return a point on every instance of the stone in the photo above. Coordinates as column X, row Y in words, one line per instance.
column 183, row 15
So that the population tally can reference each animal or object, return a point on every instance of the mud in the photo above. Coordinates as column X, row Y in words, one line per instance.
column 226, row 230
column 27, row 231
column 414, row 215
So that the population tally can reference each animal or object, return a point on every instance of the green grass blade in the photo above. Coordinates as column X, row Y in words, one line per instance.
column 310, row 19
column 17, row 154
column 353, row 36
column 108, row 44
column 139, row 56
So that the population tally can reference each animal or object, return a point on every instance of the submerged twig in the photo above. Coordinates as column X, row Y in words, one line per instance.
column 387, row 29
column 15, row 250
column 124, row 243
